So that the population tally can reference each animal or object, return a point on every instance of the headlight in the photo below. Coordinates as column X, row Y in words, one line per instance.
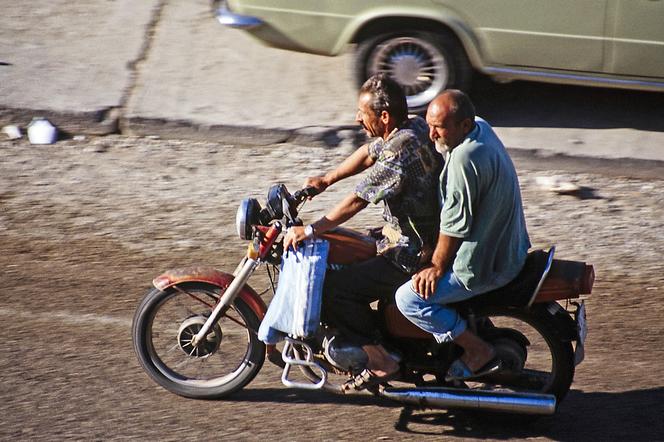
column 247, row 215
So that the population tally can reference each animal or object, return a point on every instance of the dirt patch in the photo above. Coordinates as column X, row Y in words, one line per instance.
column 85, row 226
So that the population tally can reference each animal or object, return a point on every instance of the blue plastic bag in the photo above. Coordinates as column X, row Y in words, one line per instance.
column 295, row 308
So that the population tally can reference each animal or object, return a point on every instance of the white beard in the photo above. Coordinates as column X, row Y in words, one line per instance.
column 442, row 147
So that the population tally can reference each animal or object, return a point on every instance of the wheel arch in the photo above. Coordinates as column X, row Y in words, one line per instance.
column 210, row 275
column 376, row 23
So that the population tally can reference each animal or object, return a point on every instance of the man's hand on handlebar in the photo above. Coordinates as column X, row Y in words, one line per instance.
column 320, row 183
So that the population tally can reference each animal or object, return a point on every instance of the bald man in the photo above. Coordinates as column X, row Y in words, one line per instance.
column 482, row 241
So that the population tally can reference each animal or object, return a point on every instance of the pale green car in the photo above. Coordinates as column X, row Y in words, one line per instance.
column 431, row 45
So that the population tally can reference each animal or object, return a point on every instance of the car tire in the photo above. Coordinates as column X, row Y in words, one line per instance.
column 424, row 63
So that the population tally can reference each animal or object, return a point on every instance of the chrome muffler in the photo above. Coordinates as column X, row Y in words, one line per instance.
column 507, row 402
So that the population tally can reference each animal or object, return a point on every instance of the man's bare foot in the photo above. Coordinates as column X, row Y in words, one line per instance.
column 380, row 362
column 477, row 353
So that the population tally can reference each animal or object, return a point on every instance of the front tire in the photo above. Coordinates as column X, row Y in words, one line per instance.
column 423, row 63
column 229, row 359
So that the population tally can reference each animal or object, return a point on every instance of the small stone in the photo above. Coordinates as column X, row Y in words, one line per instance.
column 79, row 138
column 556, row 184
column 12, row 131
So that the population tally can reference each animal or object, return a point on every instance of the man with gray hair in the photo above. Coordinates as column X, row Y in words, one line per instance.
column 482, row 243
column 403, row 175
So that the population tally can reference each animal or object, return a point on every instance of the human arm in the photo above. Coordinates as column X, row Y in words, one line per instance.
column 355, row 163
column 341, row 213
column 458, row 191
column 424, row 281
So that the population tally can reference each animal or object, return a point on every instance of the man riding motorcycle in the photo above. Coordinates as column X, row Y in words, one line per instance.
column 404, row 176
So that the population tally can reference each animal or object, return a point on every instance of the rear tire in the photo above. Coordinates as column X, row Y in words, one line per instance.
column 561, row 363
column 225, row 365
column 424, row 63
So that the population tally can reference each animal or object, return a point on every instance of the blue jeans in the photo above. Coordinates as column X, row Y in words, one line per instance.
column 432, row 314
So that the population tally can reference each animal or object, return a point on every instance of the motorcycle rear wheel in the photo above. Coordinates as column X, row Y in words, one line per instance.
column 229, row 359
column 543, row 363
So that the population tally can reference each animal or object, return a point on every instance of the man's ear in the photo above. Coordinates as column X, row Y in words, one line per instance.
column 467, row 125
column 384, row 117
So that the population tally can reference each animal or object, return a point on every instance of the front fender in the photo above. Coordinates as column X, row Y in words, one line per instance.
column 212, row 276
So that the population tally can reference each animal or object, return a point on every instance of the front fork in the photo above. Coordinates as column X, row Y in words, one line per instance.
column 266, row 237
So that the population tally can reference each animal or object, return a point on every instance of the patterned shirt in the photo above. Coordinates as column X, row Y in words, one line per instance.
column 405, row 177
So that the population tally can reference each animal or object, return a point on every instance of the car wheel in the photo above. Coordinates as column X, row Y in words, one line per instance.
column 424, row 63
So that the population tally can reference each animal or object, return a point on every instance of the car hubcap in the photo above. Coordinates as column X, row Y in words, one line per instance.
column 414, row 63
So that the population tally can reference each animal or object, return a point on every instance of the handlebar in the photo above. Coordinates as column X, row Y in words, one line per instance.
column 307, row 192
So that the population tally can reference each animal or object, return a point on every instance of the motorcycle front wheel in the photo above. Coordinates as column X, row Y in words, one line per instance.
column 224, row 363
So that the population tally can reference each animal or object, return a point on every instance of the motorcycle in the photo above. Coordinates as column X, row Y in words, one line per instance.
column 195, row 333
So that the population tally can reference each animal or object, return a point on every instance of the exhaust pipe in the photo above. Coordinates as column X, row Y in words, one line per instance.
column 434, row 397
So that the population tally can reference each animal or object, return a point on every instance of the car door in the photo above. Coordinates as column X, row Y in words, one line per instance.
column 636, row 44
column 553, row 34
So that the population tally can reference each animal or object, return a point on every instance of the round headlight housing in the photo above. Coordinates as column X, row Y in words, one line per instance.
column 247, row 215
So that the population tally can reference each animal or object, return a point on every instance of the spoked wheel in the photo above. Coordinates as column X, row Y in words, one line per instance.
column 227, row 360
column 534, row 357
column 423, row 63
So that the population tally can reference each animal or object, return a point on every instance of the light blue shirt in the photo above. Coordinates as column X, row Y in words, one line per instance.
column 481, row 203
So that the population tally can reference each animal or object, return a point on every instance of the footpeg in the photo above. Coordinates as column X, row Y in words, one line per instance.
column 292, row 356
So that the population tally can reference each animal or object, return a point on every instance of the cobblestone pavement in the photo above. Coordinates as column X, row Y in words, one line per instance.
column 85, row 225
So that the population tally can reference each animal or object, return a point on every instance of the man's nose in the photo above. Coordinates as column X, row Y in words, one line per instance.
column 433, row 135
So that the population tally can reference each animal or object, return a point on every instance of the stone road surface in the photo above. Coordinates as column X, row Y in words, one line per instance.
column 85, row 226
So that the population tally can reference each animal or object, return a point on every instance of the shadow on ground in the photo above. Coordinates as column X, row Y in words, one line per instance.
column 528, row 104
column 582, row 416
column 294, row 396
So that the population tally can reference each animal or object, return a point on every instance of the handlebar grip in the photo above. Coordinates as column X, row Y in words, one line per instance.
column 310, row 191
column 307, row 192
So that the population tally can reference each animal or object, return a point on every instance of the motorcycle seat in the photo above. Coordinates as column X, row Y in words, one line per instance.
column 520, row 291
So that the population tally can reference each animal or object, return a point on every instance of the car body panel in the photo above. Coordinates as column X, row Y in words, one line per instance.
column 636, row 44
column 546, row 33
column 614, row 43
column 303, row 25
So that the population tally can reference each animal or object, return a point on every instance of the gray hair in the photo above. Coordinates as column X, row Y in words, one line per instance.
column 387, row 95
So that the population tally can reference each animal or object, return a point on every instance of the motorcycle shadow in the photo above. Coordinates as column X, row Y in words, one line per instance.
column 295, row 396
column 631, row 415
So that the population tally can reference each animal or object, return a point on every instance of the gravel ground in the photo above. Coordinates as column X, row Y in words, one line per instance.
column 85, row 225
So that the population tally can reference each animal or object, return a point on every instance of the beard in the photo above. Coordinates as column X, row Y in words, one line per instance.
column 441, row 146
